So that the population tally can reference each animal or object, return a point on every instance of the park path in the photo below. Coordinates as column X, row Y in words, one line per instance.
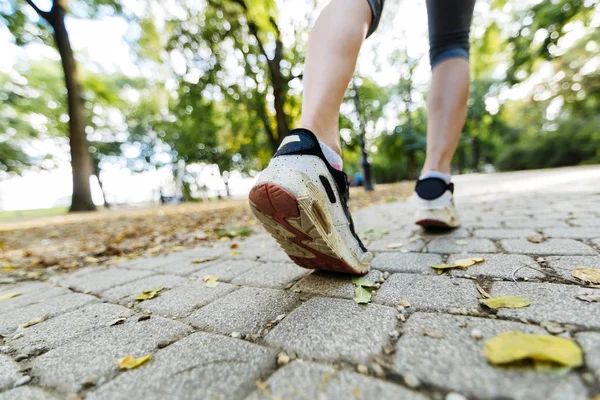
column 271, row 330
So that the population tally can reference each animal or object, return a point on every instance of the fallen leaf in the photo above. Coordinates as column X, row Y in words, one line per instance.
column 362, row 295
column 92, row 260
column 461, row 264
column 34, row 274
column 204, row 260
column 234, row 253
column 211, row 281
column 211, row 284
column 362, row 281
column 34, row 321
column 461, row 242
column 589, row 295
column 536, row 239
column 8, row 268
column 117, row 321
column 443, row 267
column 120, row 238
column 10, row 296
column 505, row 302
column 510, row 347
column 128, row 362
column 434, row 333
column 395, row 245
column 587, row 274
column 404, row 303
column 149, row 294
column 234, row 246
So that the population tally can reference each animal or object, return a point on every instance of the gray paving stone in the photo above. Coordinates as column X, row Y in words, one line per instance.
column 185, row 267
column 184, row 299
column 586, row 222
column 334, row 329
column 408, row 244
column 564, row 265
column 498, row 266
column 159, row 263
column 96, row 354
column 480, row 223
column 596, row 242
column 99, row 279
column 128, row 292
column 200, row 366
column 328, row 284
column 536, row 223
column 548, row 247
column 27, row 393
column 447, row 246
column 549, row 302
column 45, row 291
column 273, row 275
column 227, row 270
column 24, row 288
column 456, row 362
column 503, row 233
column 246, row 310
column 406, row 262
column 573, row 233
column 9, row 372
column 66, row 327
column 305, row 380
column 53, row 306
column 590, row 343
column 428, row 292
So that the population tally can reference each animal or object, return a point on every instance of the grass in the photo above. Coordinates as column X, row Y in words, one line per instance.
column 9, row 216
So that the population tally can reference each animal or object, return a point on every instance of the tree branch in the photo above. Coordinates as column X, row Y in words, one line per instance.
column 41, row 13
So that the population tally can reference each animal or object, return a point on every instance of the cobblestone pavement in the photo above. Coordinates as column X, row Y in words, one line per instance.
column 271, row 330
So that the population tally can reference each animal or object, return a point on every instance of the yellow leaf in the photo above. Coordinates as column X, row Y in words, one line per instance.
column 91, row 260
column 394, row 245
column 587, row 274
column 211, row 281
column 149, row 294
column 467, row 262
column 34, row 321
column 129, row 362
column 204, row 260
column 510, row 347
column 536, row 239
column 461, row 242
column 10, row 296
column 505, row 302
column 120, row 238
column 443, row 267
column 234, row 253
column 211, row 284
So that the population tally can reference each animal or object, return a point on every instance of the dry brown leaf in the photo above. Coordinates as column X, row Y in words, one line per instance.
column 34, row 321
column 510, row 347
column 10, row 296
column 482, row 291
column 587, row 274
column 536, row 239
column 129, row 362
column 234, row 246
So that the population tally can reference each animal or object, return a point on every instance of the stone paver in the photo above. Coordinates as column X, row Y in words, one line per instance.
column 305, row 380
column 586, row 222
column 66, row 327
column 227, row 270
column 428, row 292
column 564, row 265
column 498, row 266
column 27, row 393
column 184, row 299
column 245, row 311
column 53, row 306
column 548, row 247
column 573, row 233
column 536, row 224
column 456, row 362
column 9, row 372
column 329, row 284
column 164, row 263
column 503, row 233
column 128, row 292
column 27, row 298
column 272, row 275
column 331, row 329
column 406, row 244
column 96, row 354
column 406, row 262
column 447, row 246
column 549, row 302
column 200, row 366
column 97, row 279
column 590, row 343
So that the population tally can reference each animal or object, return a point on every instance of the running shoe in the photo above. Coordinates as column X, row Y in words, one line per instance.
column 435, row 204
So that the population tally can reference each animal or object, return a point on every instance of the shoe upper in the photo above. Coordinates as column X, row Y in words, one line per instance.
column 304, row 142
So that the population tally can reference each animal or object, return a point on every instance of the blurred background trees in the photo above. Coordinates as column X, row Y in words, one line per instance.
column 211, row 88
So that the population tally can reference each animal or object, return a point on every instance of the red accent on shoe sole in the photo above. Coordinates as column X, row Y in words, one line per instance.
column 274, row 201
column 432, row 223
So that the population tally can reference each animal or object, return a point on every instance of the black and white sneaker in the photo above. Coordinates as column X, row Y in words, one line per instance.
column 303, row 202
column 435, row 204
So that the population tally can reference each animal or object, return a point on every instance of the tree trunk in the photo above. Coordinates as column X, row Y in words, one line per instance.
column 476, row 150
column 366, row 165
column 279, row 92
column 81, row 161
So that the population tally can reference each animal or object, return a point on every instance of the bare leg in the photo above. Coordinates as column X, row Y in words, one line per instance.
column 330, row 62
column 447, row 106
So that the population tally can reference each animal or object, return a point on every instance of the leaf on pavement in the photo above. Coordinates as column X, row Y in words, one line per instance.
column 129, row 362
column 536, row 239
column 587, row 274
column 92, row 260
column 505, row 302
column 362, row 295
column 211, row 281
column 234, row 246
column 395, row 245
column 149, row 294
column 461, row 264
column 362, row 281
column 434, row 333
column 511, row 347
column 10, row 296
column 204, row 260
column 34, row 321
column 461, row 242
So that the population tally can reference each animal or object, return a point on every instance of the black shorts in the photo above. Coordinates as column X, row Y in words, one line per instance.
column 449, row 24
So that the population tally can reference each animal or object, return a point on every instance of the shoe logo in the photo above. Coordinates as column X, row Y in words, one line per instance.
column 289, row 139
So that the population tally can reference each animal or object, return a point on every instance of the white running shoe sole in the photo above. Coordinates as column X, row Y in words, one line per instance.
column 438, row 213
column 289, row 199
